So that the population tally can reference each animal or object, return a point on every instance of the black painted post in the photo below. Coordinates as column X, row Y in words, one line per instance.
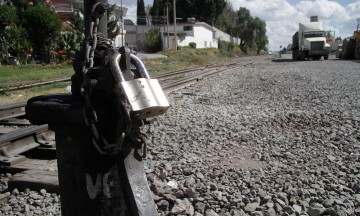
column 92, row 183
column 89, row 182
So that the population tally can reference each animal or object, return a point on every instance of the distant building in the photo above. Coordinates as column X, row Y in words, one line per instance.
column 201, row 33
column 64, row 8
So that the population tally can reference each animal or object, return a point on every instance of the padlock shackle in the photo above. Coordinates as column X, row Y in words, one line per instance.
column 140, row 67
column 115, row 68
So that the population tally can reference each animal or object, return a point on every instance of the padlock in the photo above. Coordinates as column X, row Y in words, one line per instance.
column 145, row 95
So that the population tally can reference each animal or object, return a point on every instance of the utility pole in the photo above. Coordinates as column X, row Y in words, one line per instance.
column 122, row 25
column 175, row 37
column 167, row 23
column 163, row 33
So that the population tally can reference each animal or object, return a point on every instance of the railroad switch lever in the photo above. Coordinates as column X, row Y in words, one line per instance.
column 99, row 142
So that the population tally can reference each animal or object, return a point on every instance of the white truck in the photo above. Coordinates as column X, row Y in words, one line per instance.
column 310, row 42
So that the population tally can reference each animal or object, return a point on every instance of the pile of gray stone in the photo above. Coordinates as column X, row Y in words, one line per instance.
column 278, row 138
column 275, row 138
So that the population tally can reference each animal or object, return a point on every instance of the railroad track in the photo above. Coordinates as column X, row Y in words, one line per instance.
column 18, row 136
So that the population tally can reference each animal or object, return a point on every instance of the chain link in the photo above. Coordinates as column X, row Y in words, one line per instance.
column 90, row 116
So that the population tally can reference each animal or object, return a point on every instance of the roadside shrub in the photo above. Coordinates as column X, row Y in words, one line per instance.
column 192, row 45
column 228, row 48
column 58, row 56
column 152, row 41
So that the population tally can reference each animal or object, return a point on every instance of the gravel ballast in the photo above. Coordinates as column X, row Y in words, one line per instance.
column 274, row 138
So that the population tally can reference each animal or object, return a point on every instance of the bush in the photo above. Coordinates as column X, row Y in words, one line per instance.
column 192, row 45
column 228, row 49
column 152, row 41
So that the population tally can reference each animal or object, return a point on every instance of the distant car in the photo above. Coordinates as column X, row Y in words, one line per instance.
column 339, row 51
column 12, row 60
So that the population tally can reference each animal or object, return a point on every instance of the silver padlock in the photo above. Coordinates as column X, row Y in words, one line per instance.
column 145, row 95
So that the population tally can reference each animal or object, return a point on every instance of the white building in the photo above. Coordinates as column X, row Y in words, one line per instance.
column 201, row 33
column 135, row 34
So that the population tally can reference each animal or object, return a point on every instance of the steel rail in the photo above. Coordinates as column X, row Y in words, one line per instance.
column 14, row 88
column 190, row 80
column 160, row 77
column 18, row 109
column 24, row 139
column 12, row 110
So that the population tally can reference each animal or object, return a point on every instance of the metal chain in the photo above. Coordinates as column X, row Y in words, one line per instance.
column 90, row 116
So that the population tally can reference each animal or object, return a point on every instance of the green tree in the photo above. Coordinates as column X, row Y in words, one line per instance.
column 243, row 28
column 184, row 9
column 21, row 45
column 260, row 37
column 152, row 41
column 8, row 17
column 209, row 10
column 43, row 26
column 203, row 10
column 140, row 13
column 20, row 6
column 8, row 21
column 225, row 21
column 155, row 12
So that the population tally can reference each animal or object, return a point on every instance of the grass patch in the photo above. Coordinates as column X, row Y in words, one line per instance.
column 181, row 59
column 27, row 74
column 25, row 94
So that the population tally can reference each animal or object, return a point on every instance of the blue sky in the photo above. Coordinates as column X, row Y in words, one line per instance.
column 282, row 17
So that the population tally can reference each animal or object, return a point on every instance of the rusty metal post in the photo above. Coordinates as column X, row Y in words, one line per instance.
column 91, row 182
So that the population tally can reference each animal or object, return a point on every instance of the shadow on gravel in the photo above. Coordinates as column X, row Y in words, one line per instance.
column 283, row 60
column 290, row 60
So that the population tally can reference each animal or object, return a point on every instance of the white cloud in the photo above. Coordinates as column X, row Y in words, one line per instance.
column 282, row 18
column 322, row 8
column 131, row 13
column 266, row 9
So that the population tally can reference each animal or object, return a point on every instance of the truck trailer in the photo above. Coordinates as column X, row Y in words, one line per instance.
column 310, row 42
column 350, row 48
